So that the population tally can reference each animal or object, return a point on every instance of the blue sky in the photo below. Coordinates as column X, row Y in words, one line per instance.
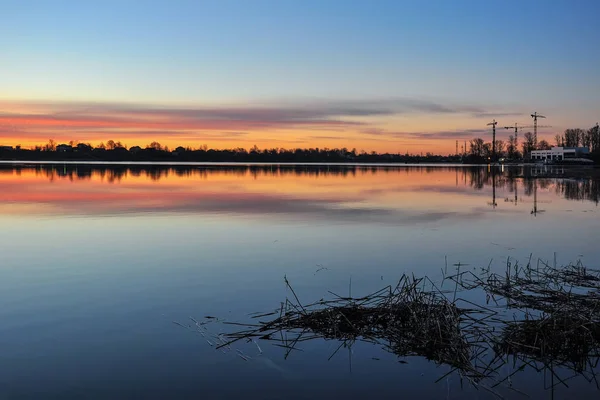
column 503, row 55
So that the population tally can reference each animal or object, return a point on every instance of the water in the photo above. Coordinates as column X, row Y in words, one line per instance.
column 98, row 262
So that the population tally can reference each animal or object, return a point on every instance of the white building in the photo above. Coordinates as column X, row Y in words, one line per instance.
column 559, row 153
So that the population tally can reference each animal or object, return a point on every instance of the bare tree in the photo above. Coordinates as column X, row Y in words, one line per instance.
column 50, row 146
column 477, row 147
column 573, row 137
column 528, row 144
column 500, row 148
column 594, row 134
column 559, row 140
column 511, row 149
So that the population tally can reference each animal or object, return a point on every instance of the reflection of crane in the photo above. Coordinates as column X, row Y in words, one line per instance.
column 493, row 203
column 535, row 210
column 493, row 124
column 535, row 117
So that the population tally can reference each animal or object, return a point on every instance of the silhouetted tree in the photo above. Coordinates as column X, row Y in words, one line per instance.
column 573, row 137
column 477, row 147
column 559, row 140
column 586, row 140
column 500, row 148
column 594, row 135
column 155, row 146
column 50, row 146
column 511, row 149
column 543, row 145
column 487, row 150
column 528, row 144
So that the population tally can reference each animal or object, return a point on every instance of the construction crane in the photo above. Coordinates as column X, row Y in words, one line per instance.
column 518, row 127
column 535, row 117
column 493, row 124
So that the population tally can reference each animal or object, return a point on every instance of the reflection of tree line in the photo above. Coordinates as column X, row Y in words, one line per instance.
column 513, row 179
column 116, row 173
column 531, row 180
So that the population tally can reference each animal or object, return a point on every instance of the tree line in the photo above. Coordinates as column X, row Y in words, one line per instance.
column 155, row 151
column 479, row 151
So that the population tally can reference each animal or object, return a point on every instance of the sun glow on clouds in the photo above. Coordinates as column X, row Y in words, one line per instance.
column 393, row 125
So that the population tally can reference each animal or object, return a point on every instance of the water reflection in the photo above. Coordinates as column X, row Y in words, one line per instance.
column 336, row 189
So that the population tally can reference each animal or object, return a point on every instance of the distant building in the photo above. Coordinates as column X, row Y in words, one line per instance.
column 560, row 153
column 6, row 148
column 64, row 148
column 135, row 149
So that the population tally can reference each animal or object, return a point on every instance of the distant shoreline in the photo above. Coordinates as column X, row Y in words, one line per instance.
column 231, row 163
column 257, row 163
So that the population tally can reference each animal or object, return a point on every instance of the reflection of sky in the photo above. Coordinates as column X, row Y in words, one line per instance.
column 394, row 196
column 95, row 296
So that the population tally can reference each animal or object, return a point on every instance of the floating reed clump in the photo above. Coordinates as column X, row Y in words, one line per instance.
column 573, row 289
column 559, row 339
column 551, row 343
column 406, row 320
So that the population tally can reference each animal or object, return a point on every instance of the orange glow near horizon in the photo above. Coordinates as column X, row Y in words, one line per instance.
column 222, row 128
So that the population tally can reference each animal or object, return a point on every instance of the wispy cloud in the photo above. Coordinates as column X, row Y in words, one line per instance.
column 325, row 137
column 498, row 114
column 100, row 120
column 450, row 134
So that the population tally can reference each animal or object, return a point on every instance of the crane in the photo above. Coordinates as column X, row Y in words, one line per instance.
column 535, row 117
column 493, row 124
column 518, row 127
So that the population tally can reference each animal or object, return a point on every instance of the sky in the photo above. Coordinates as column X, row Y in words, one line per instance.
column 387, row 76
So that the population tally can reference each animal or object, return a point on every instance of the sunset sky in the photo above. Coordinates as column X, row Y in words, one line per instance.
column 397, row 76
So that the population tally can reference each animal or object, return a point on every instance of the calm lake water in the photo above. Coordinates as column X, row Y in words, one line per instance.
column 98, row 262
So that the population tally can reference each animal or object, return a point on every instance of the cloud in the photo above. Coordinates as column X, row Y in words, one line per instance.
column 313, row 113
column 450, row 134
column 325, row 137
column 387, row 106
column 497, row 114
